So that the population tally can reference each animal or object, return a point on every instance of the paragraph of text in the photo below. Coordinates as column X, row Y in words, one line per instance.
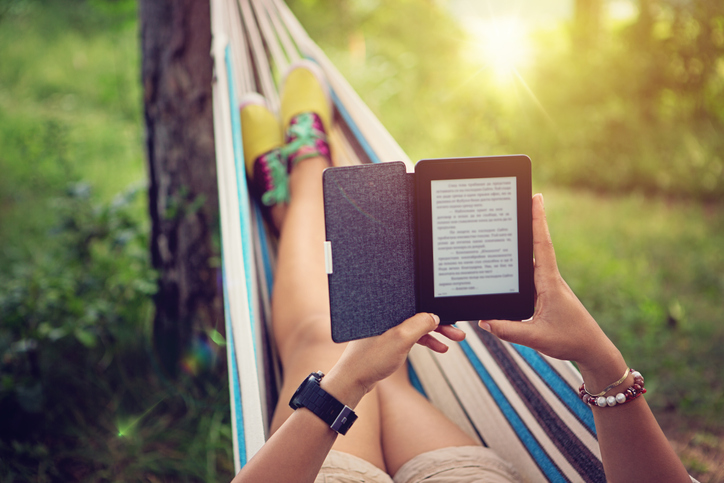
column 474, row 236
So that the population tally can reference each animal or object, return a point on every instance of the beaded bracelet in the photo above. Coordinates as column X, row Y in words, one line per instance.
column 623, row 397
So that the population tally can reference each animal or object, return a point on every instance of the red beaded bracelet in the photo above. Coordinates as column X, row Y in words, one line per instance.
column 622, row 397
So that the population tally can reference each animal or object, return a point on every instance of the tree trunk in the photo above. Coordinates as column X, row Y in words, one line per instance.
column 177, row 76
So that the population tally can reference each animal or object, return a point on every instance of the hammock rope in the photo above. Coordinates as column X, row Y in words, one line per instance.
column 510, row 398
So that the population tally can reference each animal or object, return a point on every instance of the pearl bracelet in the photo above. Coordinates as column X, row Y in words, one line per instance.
column 622, row 397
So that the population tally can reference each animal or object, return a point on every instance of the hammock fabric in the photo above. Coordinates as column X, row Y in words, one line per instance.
column 520, row 403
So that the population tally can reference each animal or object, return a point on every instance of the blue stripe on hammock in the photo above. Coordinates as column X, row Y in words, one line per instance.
column 415, row 380
column 547, row 466
column 263, row 243
column 244, row 210
column 242, row 191
column 564, row 391
column 353, row 127
column 235, row 389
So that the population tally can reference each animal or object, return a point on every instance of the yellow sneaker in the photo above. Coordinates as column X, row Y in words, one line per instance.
column 261, row 135
column 306, row 113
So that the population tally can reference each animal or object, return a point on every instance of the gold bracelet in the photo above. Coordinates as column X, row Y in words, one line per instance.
column 636, row 390
column 610, row 386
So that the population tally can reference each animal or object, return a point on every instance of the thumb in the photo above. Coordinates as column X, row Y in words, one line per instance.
column 511, row 331
column 416, row 326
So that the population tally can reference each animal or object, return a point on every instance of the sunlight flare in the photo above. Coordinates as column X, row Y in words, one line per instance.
column 124, row 427
column 502, row 44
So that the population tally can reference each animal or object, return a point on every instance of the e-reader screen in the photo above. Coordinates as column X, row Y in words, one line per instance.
column 475, row 242
column 474, row 236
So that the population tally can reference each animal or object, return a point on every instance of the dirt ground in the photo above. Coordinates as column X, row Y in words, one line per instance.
column 700, row 446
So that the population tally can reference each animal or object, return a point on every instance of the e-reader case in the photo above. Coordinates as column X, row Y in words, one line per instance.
column 369, row 215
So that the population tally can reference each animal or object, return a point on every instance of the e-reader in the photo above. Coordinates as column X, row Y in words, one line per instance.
column 474, row 238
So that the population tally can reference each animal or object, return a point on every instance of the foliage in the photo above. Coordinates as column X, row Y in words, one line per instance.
column 69, row 97
column 69, row 104
column 640, row 110
column 69, row 311
column 80, row 396
column 409, row 71
column 678, row 48
column 626, row 117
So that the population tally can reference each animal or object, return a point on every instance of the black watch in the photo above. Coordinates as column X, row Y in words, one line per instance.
column 310, row 395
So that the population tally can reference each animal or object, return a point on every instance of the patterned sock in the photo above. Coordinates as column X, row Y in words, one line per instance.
column 270, row 180
column 305, row 138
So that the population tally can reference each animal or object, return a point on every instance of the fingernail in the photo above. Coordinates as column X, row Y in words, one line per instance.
column 542, row 201
column 436, row 318
column 484, row 325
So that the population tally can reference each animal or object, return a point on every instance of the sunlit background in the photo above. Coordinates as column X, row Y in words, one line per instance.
column 627, row 94
column 501, row 32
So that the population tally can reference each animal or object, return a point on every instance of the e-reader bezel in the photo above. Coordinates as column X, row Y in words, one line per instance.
column 508, row 306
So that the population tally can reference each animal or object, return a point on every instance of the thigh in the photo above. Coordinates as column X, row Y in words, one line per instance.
column 411, row 425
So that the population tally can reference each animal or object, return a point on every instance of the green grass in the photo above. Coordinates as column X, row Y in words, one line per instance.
column 651, row 272
column 70, row 108
column 86, row 84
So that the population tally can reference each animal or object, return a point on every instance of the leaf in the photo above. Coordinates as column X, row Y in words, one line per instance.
column 56, row 334
column 215, row 336
column 85, row 337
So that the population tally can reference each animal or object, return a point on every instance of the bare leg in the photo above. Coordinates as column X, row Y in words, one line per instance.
column 278, row 212
column 411, row 425
column 300, row 309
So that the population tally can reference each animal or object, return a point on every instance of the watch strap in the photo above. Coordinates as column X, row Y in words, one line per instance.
column 338, row 416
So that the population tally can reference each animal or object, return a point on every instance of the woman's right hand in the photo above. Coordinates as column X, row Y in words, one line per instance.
column 367, row 361
column 561, row 326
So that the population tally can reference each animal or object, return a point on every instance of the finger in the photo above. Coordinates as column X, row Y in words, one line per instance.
column 511, row 331
column 451, row 332
column 432, row 343
column 545, row 256
column 412, row 329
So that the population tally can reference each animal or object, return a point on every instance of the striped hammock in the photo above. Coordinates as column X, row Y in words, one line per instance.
column 522, row 404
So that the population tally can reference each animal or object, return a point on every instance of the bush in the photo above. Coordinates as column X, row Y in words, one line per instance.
column 66, row 315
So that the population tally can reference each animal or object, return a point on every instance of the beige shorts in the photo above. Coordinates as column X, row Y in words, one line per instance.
column 465, row 464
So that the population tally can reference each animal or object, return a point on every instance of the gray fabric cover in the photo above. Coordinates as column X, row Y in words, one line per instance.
column 369, row 222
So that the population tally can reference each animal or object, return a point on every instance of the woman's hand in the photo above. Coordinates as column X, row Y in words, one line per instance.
column 561, row 327
column 365, row 362
column 633, row 447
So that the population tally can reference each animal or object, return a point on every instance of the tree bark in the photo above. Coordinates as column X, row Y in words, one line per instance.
column 182, row 195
